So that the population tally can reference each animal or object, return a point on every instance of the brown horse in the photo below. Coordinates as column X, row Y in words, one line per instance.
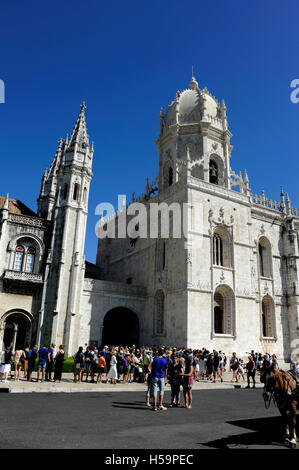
column 283, row 388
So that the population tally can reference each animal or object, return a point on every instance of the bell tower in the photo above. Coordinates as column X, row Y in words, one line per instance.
column 194, row 135
column 64, row 201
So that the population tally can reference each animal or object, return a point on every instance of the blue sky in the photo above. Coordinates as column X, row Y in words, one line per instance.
column 126, row 60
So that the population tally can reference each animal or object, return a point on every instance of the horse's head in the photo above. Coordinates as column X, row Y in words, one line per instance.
column 268, row 378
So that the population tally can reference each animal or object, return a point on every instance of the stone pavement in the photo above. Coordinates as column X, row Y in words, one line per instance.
column 67, row 385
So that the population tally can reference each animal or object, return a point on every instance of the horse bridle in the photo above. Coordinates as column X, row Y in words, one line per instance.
column 269, row 394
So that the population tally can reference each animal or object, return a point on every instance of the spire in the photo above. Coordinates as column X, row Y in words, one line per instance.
column 6, row 202
column 79, row 132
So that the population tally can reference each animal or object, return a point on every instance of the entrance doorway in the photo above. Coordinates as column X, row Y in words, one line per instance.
column 17, row 329
column 121, row 327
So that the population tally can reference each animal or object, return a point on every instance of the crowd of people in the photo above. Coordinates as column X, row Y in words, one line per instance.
column 18, row 360
column 180, row 367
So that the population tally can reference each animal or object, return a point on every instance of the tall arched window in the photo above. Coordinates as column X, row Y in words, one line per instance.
column 213, row 172
column 268, row 316
column 224, row 310
column 264, row 257
column 76, row 192
column 222, row 247
column 65, row 191
column 170, row 176
column 218, row 313
column 18, row 259
column 30, row 258
column 217, row 250
column 85, row 195
column 159, row 313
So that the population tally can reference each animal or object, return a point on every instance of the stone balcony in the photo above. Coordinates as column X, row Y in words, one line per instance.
column 23, row 277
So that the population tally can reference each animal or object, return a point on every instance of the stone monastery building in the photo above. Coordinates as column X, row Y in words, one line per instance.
column 231, row 283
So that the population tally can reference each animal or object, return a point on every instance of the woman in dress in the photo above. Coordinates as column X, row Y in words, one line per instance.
column 112, row 374
column 58, row 363
column 19, row 357
column 187, row 382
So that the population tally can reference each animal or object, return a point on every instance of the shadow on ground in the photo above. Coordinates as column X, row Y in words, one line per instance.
column 264, row 432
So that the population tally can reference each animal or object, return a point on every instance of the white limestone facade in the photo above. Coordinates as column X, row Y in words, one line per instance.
column 228, row 281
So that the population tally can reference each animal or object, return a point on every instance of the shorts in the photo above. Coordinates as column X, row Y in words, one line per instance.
column 79, row 366
column 87, row 366
column 101, row 370
column 155, row 383
column 94, row 367
column 18, row 364
column 132, row 370
column 42, row 365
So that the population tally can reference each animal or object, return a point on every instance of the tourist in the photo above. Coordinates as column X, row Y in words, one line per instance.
column 43, row 356
column 196, row 368
column 240, row 370
column 32, row 355
column 158, row 369
column 79, row 364
column 58, row 363
column 26, row 362
column 132, row 368
column 250, row 368
column 112, row 374
column 216, row 366
column 174, row 376
column 19, row 356
column 126, row 368
column 93, row 363
column 108, row 359
column 6, row 364
column 187, row 382
column 49, row 366
column 101, row 367
column 210, row 366
column 234, row 364
column 202, row 366
column 87, row 361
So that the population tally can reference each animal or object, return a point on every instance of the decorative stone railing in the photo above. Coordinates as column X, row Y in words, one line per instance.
column 27, row 220
column 22, row 276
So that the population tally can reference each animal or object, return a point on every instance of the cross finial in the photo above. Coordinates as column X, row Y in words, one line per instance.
column 82, row 106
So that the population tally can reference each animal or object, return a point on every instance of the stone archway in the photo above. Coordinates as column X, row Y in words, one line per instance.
column 120, row 326
column 16, row 328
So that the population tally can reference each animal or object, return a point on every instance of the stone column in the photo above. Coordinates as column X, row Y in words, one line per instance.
column 14, row 337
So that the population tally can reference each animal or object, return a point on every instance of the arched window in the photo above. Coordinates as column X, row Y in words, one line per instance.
column 170, row 176
column 224, row 310
column 76, row 192
column 222, row 247
column 30, row 258
column 159, row 313
column 84, row 195
column 213, row 172
column 268, row 315
column 18, row 259
column 65, row 191
column 218, row 313
column 217, row 250
column 161, row 255
column 264, row 258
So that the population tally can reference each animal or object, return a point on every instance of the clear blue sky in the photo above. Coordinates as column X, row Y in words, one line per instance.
column 126, row 60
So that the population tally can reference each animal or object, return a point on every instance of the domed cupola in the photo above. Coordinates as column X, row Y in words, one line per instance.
column 194, row 128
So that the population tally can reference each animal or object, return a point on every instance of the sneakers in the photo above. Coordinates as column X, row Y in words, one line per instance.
column 162, row 408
